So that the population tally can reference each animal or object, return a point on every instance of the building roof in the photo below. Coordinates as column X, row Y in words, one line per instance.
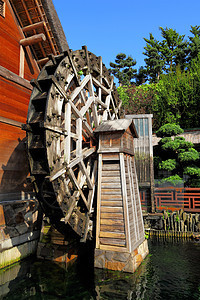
column 117, row 125
column 31, row 12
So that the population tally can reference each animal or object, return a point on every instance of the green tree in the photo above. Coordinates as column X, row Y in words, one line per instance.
column 194, row 43
column 141, row 76
column 165, row 55
column 123, row 69
column 176, row 159
column 154, row 63
column 173, row 49
column 137, row 99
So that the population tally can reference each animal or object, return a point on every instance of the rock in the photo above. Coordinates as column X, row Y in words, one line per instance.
column 122, row 257
column 22, row 228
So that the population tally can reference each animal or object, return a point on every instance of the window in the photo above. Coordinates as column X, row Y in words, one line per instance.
column 2, row 8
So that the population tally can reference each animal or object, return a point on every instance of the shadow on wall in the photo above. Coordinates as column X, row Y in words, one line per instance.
column 20, row 215
column 15, row 172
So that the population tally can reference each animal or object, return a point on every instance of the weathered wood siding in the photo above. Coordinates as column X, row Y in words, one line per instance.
column 17, row 68
column 112, row 226
column 119, row 215
column 14, row 100
column 11, row 56
column 134, row 206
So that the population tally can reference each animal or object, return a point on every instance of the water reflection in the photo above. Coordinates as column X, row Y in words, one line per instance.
column 171, row 271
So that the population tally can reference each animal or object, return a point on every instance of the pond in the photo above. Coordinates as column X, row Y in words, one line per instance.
column 171, row 271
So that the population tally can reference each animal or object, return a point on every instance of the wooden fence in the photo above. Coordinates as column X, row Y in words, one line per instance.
column 172, row 199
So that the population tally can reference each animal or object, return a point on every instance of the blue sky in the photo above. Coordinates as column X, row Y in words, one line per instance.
column 109, row 27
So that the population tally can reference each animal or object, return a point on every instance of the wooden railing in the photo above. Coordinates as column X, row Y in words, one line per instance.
column 176, row 198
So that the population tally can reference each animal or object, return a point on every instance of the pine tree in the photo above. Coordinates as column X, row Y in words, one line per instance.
column 176, row 157
column 154, row 63
column 173, row 49
column 194, row 44
column 123, row 69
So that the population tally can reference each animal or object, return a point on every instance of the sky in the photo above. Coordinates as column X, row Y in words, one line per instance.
column 109, row 27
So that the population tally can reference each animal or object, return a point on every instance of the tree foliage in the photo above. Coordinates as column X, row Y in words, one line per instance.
column 123, row 69
column 174, row 99
column 172, row 67
column 176, row 156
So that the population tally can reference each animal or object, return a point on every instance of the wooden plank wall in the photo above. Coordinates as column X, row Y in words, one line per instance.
column 14, row 100
column 112, row 226
column 17, row 64
column 10, row 52
column 120, row 220
column 134, row 205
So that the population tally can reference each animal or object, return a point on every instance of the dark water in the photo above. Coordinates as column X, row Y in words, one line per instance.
column 171, row 271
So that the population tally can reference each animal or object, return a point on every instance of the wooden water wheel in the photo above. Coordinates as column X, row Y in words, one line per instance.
column 72, row 95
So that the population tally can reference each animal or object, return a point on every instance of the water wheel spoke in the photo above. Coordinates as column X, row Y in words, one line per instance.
column 72, row 105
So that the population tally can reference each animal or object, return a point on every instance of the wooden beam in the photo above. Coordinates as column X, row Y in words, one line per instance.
column 75, row 93
column 75, row 183
column 37, row 38
column 15, row 78
column 33, row 26
column 10, row 122
column 98, row 84
column 43, row 61
column 125, row 202
column 98, row 218
column 85, row 108
column 87, row 58
column 84, row 171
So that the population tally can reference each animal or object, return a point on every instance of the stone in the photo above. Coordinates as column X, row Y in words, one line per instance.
column 99, row 262
column 99, row 252
column 129, row 267
column 22, row 228
column 12, row 231
column 121, row 257
column 2, row 218
column 138, row 260
column 109, row 255
column 114, row 265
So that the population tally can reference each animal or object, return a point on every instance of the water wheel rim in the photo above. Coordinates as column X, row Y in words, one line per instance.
column 78, row 94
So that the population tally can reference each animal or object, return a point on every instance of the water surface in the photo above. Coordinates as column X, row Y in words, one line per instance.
column 171, row 271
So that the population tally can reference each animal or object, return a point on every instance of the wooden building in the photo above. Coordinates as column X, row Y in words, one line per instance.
column 143, row 149
column 30, row 32
column 119, row 226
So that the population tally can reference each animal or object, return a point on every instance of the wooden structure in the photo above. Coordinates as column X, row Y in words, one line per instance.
column 143, row 149
column 28, row 36
column 119, row 226
column 171, row 198
column 30, row 33
column 72, row 95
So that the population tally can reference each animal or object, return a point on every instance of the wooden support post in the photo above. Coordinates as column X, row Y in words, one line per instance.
column 79, row 140
column 43, row 61
column 98, row 199
column 33, row 26
column 67, row 146
column 125, row 204
column 37, row 38
column 21, row 62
